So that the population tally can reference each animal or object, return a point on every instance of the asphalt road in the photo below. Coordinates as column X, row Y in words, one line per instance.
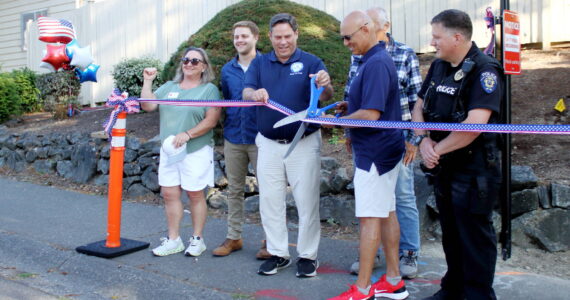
column 40, row 227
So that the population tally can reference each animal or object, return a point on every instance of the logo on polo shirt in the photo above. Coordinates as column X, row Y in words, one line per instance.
column 296, row 68
column 446, row 90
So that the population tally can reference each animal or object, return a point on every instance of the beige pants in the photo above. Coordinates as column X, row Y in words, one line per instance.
column 301, row 170
column 237, row 157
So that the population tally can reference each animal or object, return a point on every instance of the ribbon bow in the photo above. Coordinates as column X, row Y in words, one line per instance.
column 121, row 102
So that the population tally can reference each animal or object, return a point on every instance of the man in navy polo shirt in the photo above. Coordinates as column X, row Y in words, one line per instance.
column 284, row 76
column 240, row 129
column 373, row 95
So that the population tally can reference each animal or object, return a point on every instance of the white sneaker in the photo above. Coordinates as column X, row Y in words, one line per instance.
column 196, row 247
column 355, row 267
column 168, row 247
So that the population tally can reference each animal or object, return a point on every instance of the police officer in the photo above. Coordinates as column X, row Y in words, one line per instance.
column 462, row 85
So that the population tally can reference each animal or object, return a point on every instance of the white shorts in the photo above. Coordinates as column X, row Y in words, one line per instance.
column 375, row 195
column 194, row 173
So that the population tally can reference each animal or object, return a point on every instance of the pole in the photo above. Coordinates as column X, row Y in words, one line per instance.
column 115, row 194
column 505, row 236
column 114, row 245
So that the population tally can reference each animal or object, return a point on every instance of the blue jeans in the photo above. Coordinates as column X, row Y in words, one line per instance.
column 407, row 210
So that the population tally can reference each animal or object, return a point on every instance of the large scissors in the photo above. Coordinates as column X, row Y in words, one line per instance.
column 311, row 112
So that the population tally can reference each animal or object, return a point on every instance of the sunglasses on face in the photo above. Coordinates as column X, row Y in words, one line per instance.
column 193, row 61
column 348, row 37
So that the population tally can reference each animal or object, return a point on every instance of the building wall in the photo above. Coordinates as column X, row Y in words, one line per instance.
column 12, row 52
column 117, row 29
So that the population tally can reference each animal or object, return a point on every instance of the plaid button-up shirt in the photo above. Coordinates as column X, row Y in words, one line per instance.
column 409, row 77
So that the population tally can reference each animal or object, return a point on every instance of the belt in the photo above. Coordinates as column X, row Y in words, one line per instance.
column 288, row 141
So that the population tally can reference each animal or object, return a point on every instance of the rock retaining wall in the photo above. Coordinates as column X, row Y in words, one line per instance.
column 539, row 211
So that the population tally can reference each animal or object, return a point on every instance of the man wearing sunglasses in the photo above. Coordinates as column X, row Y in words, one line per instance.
column 409, row 83
column 373, row 95
column 240, row 129
column 284, row 76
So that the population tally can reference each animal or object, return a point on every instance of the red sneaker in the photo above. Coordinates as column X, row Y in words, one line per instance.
column 354, row 294
column 383, row 288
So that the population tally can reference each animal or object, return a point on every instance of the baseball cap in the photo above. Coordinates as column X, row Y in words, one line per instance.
column 174, row 155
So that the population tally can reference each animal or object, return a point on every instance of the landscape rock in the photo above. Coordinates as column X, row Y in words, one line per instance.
column 146, row 161
column 217, row 199
column 560, row 195
column 338, row 209
column 101, row 180
column 149, row 147
column 131, row 169
column 548, row 227
column 45, row 166
column 103, row 166
column 251, row 204
column 42, row 152
column 251, row 185
column 220, row 179
column 149, row 179
column 524, row 201
column 340, row 180
column 544, row 196
column 64, row 168
column 13, row 160
column 130, row 155
column 329, row 163
column 75, row 138
column 133, row 143
column 105, row 151
column 84, row 161
column 129, row 181
column 137, row 190
column 31, row 156
column 523, row 177
column 325, row 184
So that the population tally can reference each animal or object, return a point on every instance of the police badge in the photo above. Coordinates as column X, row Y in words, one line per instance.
column 458, row 75
column 489, row 82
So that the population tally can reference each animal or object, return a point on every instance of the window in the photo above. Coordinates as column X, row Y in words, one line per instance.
column 28, row 17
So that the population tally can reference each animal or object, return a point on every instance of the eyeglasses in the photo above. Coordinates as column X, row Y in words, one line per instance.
column 348, row 37
column 194, row 61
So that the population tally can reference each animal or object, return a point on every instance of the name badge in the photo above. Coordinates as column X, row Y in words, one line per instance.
column 172, row 95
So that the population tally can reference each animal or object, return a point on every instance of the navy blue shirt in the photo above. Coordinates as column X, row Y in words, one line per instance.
column 240, row 126
column 286, row 83
column 375, row 86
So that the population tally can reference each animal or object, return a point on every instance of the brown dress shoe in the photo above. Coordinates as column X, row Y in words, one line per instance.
column 263, row 254
column 227, row 247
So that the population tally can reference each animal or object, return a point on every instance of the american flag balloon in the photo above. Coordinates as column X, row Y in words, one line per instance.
column 55, row 30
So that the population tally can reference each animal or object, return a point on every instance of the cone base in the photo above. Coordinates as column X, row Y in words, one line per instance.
column 98, row 248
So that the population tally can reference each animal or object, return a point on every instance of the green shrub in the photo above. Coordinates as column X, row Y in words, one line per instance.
column 29, row 94
column 318, row 34
column 128, row 74
column 9, row 97
column 61, row 87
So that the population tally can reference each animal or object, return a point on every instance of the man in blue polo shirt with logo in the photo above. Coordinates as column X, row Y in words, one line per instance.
column 373, row 95
column 284, row 76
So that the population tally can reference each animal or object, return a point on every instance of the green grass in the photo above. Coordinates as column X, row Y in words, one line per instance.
column 27, row 275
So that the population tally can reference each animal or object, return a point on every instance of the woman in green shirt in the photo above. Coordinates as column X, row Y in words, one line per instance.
column 190, row 127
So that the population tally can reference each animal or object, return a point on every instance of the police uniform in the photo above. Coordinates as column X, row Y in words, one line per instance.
column 466, row 181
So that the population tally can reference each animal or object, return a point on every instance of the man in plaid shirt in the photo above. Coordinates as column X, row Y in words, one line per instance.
column 410, row 81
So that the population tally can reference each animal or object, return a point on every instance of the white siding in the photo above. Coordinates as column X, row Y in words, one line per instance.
column 117, row 29
column 12, row 55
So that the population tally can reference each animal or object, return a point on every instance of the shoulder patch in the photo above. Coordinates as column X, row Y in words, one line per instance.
column 489, row 82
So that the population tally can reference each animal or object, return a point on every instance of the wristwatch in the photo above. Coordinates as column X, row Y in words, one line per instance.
column 416, row 140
